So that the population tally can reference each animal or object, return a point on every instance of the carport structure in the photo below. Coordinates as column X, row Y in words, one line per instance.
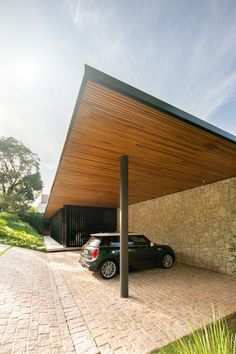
column 120, row 137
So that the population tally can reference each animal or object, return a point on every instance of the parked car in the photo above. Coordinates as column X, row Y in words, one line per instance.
column 102, row 254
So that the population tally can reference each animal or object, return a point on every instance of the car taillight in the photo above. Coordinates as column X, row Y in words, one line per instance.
column 94, row 253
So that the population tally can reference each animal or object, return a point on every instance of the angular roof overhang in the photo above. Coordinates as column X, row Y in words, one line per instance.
column 169, row 150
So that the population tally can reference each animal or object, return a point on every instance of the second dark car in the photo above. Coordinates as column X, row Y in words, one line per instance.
column 102, row 254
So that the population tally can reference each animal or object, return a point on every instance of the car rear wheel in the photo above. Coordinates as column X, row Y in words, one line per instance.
column 167, row 261
column 108, row 269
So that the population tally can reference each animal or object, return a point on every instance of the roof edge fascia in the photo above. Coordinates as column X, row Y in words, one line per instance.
column 97, row 76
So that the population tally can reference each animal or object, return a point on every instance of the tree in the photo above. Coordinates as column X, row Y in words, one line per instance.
column 19, row 175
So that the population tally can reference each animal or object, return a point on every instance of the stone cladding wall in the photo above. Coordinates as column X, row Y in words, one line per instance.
column 198, row 223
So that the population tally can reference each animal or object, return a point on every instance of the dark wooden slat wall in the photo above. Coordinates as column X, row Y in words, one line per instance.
column 84, row 221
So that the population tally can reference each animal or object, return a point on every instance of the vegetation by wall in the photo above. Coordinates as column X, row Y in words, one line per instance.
column 33, row 218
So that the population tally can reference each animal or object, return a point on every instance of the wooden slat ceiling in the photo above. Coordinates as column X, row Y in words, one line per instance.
column 166, row 154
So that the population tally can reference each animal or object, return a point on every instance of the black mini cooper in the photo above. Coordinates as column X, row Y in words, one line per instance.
column 102, row 254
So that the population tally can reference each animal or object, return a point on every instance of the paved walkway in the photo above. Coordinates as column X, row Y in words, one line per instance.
column 3, row 247
column 53, row 246
column 50, row 304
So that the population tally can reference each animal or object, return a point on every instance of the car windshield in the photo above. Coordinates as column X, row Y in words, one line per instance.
column 94, row 241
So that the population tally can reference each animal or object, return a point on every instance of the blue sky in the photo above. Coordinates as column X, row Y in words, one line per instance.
column 181, row 51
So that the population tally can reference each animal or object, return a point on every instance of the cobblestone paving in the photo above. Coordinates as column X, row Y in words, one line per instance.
column 50, row 304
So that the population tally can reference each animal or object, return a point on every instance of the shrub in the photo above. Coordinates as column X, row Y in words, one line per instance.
column 35, row 219
column 213, row 338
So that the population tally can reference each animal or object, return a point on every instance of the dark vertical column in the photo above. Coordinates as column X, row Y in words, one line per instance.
column 124, row 226
column 65, row 233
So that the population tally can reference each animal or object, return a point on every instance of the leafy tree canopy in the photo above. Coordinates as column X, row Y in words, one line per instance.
column 20, row 178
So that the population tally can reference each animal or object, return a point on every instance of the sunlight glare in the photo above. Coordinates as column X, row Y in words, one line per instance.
column 27, row 69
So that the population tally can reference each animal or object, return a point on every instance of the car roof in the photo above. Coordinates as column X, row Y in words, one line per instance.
column 102, row 234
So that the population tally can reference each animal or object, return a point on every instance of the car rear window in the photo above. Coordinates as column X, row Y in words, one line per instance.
column 94, row 241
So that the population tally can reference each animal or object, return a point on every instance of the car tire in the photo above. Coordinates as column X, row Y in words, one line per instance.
column 108, row 269
column 167, row 261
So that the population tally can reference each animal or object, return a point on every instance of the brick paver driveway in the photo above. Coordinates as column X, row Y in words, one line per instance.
column 50, row 304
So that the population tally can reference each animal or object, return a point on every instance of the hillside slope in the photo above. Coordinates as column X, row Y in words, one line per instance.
column 16, row 232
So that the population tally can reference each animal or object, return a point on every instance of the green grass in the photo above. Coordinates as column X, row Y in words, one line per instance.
column 219, row 337
column 16, row 232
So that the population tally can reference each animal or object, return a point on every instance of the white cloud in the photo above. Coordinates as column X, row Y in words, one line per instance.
column 83, row 12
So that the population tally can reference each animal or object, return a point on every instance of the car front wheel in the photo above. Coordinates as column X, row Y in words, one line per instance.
column 167, row 261
column 108, row 269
